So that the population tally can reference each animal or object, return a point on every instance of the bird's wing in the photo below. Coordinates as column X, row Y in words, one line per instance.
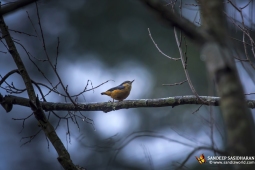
column 116, row 88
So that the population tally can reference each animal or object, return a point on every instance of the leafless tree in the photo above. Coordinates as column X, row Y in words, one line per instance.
column 211, row 36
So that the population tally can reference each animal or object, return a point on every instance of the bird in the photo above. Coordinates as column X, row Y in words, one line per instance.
column 119, row 92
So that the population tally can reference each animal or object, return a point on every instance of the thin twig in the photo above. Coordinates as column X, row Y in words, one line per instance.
column 175, row 83
column 48, row 58
column 175, row 59
column 7, row 75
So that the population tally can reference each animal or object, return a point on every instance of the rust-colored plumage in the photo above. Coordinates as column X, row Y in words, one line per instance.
column 119, row 92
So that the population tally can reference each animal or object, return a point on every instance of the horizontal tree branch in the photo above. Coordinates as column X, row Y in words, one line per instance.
column 126, row 104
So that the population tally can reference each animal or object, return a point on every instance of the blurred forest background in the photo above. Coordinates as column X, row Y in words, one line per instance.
column 109, row 40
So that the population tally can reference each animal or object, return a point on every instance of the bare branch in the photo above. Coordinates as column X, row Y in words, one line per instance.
column 7, row 106
column 23, row 121
column 126, row 104
column 15, row 5
column 30, row 138
column 220, row 64
column 175, row 59
column 183, row 24
column 48, row 58
column 185, row 68
column 7, row 75
column 64, row 157
column 20, row 32
column 175, row 83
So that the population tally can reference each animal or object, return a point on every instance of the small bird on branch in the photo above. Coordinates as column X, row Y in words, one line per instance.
column 119, row 92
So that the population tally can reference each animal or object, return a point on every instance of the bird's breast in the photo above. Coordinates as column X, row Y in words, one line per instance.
column 120, row 94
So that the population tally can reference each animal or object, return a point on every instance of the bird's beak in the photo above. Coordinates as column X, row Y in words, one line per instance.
column 132, row 81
